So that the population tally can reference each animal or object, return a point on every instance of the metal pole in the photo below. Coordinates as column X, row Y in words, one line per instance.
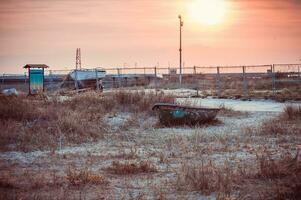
column 181, row 24
column 118, row 71
column 43, row 79
column 245, row 81
column 3, row 78
column 155, row 70
column 76, row 83
column 273, row 80
column 97, row 82
column 29, row 85
column 218, row 82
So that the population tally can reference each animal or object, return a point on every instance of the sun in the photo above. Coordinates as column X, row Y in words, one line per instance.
column 207, row 12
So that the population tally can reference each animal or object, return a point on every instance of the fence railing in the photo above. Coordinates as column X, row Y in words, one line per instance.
column 217, row 80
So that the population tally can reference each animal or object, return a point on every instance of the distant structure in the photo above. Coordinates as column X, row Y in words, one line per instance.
column 36, row 78
column 172, row 71
column 78, row 62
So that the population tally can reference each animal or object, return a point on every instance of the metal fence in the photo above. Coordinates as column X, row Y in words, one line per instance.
column 222, row 81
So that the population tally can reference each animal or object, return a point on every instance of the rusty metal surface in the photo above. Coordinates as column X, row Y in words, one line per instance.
column 171, row 114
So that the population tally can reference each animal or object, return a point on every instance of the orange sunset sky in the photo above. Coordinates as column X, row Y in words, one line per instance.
column 113, row 32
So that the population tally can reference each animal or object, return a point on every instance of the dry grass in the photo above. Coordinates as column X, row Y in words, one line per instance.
column 229, row 112
column 207, row 178
column 39, row 124
column 140, row 101
column 43, row 125
column 274, row 179
column 292, row 112
column 267, row 178
column 287, row 123
column 17, row 108
column 123, row 101
column 131, row 167
column 81, row 177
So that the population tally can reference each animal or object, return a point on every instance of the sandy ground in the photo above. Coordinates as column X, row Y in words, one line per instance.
column 239, row 105
column 166, row 148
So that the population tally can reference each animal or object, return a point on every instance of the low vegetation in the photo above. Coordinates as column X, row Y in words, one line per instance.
column 229, row 112
column 47, row 124
column 287, row 123
column 206, row 178
column 131, row 162
column 276, row 178
column 131, row 167
column 81, row 177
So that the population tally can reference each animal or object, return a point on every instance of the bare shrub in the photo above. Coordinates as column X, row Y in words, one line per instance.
column 129, row 101
column 292, row 112
column 131, row 167
column 140, row 101
column 273, row 168
column 16, row 108
column 274, row 179
column 38, row 124
column 287, row 123
column 229, row 112
column 81, row 177
column 127, row 155
column 206, row 178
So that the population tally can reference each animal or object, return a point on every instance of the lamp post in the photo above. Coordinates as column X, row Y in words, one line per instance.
column 181, row 24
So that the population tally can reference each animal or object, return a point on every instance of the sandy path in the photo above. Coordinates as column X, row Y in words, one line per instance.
column 239, row 105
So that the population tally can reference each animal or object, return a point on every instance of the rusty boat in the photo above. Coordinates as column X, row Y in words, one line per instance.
column 172, row 114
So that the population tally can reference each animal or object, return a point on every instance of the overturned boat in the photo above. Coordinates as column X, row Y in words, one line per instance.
column 172, row 114
column 87, row 74
column 85, row 78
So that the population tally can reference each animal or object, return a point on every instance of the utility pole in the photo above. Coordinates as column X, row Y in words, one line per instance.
column 78, row 66
column 181, row 24
column 78, row 63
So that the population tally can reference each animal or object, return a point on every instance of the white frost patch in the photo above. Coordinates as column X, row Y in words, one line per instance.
column 117, row 119
column 180, row 92
column 239, row 105
column 232, row 156
column 22, row 157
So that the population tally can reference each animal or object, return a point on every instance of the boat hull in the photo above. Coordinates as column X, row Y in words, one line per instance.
column 81, row 75
column 170, row 114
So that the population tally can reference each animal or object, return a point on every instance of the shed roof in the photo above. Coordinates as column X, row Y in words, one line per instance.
column 35, row 66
